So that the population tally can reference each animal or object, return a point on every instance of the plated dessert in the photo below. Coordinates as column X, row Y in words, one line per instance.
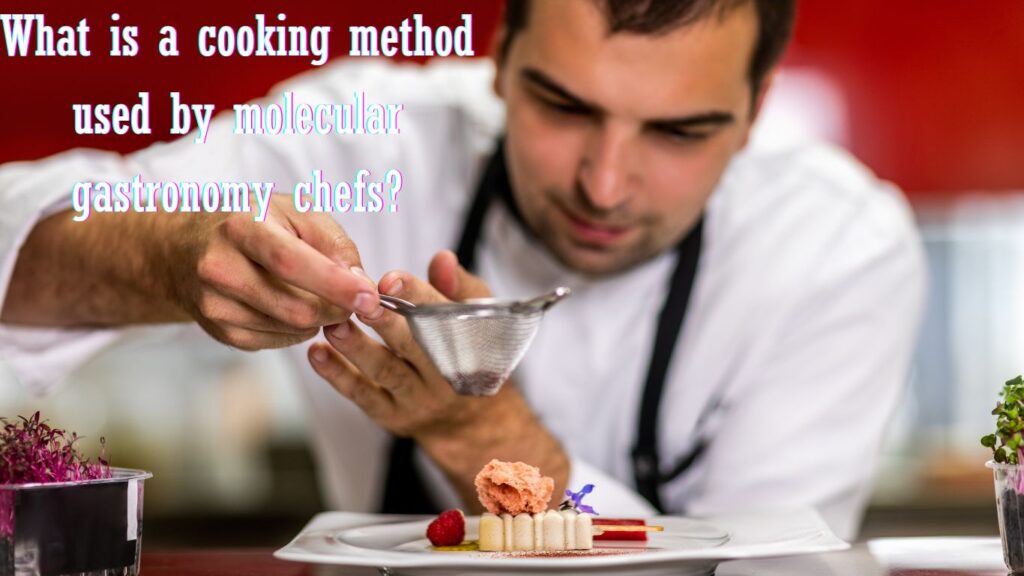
column 518, row 519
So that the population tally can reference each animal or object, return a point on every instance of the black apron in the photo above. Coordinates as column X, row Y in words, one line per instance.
column 404, row 490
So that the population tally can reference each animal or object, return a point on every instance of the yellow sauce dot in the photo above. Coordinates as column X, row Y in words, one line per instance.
column 467, row 546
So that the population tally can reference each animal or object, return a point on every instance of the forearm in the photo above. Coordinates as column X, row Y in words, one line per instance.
column 511, row 433
column 109, row 270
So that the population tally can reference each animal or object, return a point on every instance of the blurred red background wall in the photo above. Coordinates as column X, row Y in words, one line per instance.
column 934, row 89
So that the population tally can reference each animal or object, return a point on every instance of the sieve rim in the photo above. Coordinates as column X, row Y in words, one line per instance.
column 475, row 307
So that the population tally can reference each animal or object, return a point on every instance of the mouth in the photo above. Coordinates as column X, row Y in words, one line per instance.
column 594, row 233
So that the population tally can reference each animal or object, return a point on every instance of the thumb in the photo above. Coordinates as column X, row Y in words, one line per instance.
column 452, row 280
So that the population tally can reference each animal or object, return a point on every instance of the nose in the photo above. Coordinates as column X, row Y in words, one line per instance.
column 603, row 171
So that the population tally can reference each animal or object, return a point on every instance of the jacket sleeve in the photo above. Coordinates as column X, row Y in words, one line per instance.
column 41, row 358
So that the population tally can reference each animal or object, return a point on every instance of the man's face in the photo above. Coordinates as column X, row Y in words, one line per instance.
column 615, row 142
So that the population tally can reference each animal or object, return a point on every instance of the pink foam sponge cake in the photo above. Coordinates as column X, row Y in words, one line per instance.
column 513, row 488
column 516, row 497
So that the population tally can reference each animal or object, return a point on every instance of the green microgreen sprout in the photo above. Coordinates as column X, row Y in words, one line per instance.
column 1007, row 442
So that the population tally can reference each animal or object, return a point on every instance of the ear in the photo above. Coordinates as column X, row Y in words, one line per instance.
column 759, row 98
column 499, row 57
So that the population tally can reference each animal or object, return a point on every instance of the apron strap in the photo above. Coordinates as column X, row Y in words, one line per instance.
column 493, row 184
column 646, row 460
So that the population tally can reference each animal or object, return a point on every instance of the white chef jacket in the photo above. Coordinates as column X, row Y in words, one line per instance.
column 791, row 361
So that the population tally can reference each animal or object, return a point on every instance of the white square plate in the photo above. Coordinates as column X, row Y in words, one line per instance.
column 396, row 545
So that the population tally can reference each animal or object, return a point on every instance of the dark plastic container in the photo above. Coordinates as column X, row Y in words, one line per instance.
column 1009, row 479
column 85, row 528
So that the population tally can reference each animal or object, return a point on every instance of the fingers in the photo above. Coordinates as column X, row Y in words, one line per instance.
column 293, row 261
column 348, row 380
column 394, row 329
column 238, row 325
column 373, row 360
column 452, row 280
column 253, row 340
column 227, row 311
column 232, row 275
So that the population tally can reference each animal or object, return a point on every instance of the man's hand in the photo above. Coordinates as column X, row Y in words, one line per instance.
column 251, row 285
column 266, row 285
column 399, row 388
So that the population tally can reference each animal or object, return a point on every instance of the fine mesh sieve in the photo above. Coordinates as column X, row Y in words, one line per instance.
column 477, row 343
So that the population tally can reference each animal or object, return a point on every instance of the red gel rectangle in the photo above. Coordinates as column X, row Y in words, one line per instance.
column 620, row 522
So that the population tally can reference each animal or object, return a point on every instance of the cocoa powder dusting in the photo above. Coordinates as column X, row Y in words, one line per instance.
column 477, row 383
column 564, row 553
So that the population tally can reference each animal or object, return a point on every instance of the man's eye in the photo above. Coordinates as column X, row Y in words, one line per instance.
column 681, row 135
column 565, row 107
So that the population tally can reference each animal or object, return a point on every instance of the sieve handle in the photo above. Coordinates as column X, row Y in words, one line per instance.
column 545, row 301
column 395, row 304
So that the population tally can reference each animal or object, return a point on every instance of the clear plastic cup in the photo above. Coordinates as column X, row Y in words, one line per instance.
column 85, row 528
column 1009, row 481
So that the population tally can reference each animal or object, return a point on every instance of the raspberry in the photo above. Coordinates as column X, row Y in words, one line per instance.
column 448, row 529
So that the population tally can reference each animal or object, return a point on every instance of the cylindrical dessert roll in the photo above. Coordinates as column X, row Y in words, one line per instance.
column 522, row 532
column 506, row 525
column 538, row 531
column 584, row 532
column 554, row 531
column 492, row 533
column 570, row 528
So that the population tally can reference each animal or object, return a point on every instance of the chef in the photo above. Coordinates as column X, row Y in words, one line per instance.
column 742, row 319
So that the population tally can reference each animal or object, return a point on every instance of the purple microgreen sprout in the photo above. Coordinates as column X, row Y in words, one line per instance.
column 574, row 501
column 33, row 452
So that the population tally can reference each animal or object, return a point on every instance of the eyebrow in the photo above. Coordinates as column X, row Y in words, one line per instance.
column 710, row 118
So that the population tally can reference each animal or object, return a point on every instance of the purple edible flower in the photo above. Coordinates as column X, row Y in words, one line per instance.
column 574, row 501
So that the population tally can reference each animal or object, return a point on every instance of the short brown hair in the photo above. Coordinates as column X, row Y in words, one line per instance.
column 775, row 23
